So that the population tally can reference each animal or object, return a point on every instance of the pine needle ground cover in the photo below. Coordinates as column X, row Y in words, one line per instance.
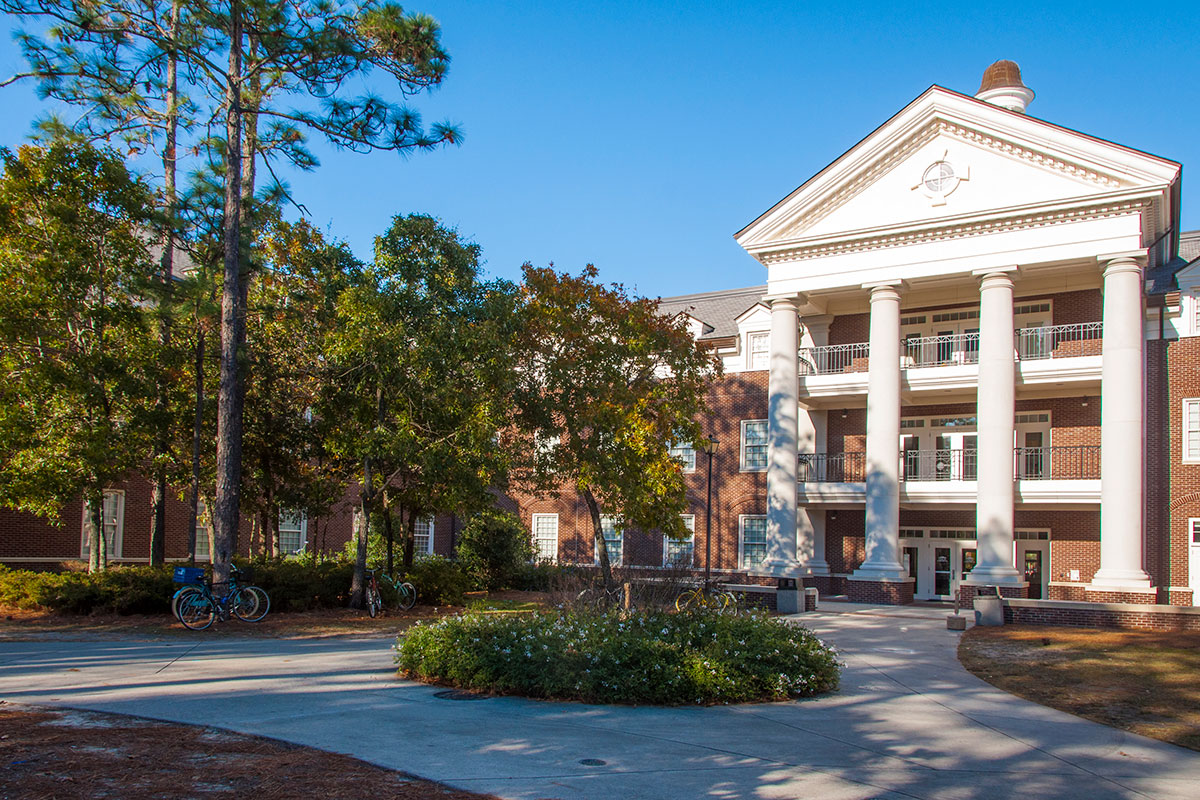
column 651, row 658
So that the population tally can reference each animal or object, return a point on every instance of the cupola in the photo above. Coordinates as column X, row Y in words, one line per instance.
column 1002, row 86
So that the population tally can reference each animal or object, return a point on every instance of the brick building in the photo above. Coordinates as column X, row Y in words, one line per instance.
column 975, row 361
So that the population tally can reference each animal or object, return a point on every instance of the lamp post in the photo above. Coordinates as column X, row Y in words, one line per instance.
column 710, row 448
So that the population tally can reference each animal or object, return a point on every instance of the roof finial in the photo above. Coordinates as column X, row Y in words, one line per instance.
column 1002, row 86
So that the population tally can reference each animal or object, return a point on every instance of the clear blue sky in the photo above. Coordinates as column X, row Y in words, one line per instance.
column 641, row 135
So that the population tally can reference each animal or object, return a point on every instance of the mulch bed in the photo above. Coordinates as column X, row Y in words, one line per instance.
column 64, row 754
column 1145, row 682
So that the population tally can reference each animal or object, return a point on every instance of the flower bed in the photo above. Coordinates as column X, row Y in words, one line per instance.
column 649, row 658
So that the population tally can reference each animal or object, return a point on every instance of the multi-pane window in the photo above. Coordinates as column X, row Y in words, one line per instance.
column 423, row 536
column 610, row 529
column 686, row 454
column 545, row 537
column 758, row 350
column 202, row 525
column 754, row 540
column 681, row 552
column 1194, row 530
column 1191, row 430
column 293, row 525
column 112, row 518
column 1196, row 313
column 754, row 444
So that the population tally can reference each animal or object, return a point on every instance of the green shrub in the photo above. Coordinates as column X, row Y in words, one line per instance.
column 654, row 657
column 119, row 589
column 439, row 581
column 538, row 576
column 494, row 549
column 302, row 586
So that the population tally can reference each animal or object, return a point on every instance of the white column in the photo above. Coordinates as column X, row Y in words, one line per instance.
column 883, row 440
column 810, row 521
column 995, row 407
column 782, row 435
column 1122, row 413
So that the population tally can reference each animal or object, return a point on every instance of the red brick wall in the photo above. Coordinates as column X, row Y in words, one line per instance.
column 1183, row 367
column 850, row 329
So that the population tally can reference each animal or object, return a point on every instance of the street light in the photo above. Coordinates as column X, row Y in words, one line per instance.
column 710, row 449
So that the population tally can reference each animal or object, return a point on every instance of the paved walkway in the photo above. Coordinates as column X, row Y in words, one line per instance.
column 909, row 721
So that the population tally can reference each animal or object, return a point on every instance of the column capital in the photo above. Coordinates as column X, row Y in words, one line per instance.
column 784, row 301
column 883, row 291
column 995, row 280
column 1007, row 272
column 817, row 322
column 1127, row 261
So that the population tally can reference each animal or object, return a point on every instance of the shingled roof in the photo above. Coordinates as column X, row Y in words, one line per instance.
column 717, row 310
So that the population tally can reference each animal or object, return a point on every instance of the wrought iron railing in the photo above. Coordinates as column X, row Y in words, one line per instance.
column 833, row 359
column 832, row 468
column 940, row 351
column 1067, row 463
column 939, row 465
column 1060, row 341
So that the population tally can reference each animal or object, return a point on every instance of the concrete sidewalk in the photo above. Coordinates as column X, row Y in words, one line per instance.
column 908, row 722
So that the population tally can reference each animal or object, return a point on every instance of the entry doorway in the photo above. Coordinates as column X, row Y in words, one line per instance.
column 938, row 559
column 1031, row 557
column 1194, row 559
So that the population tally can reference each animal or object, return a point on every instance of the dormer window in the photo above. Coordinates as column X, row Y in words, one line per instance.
column 758, row 350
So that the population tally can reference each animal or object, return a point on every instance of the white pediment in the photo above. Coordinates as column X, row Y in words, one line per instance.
column 756, row 316
column 948, row 159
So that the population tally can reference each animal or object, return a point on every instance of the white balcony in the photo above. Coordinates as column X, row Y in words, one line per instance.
column 1056, row 354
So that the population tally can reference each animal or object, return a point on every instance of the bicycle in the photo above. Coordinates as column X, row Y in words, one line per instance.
column 706, row 597
column 599, row 596
column 406, row 592
column 195, row 605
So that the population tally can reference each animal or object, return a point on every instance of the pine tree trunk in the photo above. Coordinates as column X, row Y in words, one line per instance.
column 158, row 499
column 231, row 394
column 197, row 433
column 410, row 540
column 95, row 541
column 101, row 539
column 363, row 536
column 388, row 531
column 598, row 537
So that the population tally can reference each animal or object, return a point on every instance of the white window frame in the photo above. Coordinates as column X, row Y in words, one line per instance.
column 202, row 524
column 746, row 423
column 115, row 544
column 539, row 549
column 689, row 520
column 300, row 529
column 687, row 454
column 742, row 519
column 615, row 523
column 1190, row 402
column 752, row 351
column 428, row 523
column 1194, row 300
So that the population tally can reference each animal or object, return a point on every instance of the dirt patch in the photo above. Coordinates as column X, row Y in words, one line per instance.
column 111, row 756
column 1139, row 681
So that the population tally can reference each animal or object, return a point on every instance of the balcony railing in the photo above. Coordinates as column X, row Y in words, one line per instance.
column 940, row 351
column 939, row 465
column 1069, row 463
column 832, row 467
column 833, row 359
column 1032, row 344
column 1060, row 341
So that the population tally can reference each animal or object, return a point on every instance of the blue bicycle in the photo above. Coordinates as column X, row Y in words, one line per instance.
column 196, row 606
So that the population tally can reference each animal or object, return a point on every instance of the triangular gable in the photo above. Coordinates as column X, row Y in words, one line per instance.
column 997, row 160
column 749, row 315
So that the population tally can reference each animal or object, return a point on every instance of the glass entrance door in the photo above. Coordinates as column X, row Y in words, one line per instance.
column 1032, row 560
column 943, row 566
column 912, row 563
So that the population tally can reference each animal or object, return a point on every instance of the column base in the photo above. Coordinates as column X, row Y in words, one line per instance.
column 883, row 592
column 1003, row 575
column 1121, row 580
column 880, row 571
column 782, row 569
column 816, row 568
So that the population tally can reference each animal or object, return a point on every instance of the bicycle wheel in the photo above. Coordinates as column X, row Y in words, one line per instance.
column 250, row 604
column 196, row 611
column 408, row 595
column 179, row 595
column 374, row 601
column 689, row 600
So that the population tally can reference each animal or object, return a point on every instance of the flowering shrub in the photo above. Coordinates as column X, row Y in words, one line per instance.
column 653, row 658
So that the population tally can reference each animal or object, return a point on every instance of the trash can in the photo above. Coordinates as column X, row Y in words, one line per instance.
column 810, row 598
column 787, row 596
column 989, row 607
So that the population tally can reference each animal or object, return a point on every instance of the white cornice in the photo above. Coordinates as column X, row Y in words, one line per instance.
column 1134, row 201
